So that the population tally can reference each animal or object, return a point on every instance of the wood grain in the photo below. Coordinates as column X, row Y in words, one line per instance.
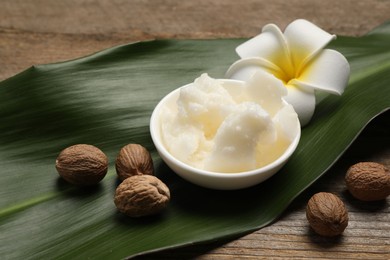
column 44, row 31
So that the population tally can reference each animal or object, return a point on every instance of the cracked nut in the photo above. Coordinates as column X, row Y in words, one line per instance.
column 82, row 164
column 327, row 214
column 133, row 159
column 141, row 195
column 368, row 181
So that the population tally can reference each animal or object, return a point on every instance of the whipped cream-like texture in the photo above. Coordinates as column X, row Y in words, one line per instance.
column 229, row 126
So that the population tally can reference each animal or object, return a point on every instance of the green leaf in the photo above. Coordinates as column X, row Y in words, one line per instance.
column 106, row 99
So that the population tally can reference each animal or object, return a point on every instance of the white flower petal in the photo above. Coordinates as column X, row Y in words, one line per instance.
column 329, row 72
column 270, row 41
column 303, row 101
column 305, row 40
column 297, row 59
column 270, row 45
column 244, row 69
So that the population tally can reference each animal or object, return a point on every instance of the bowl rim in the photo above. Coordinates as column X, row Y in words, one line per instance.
column 161, row 149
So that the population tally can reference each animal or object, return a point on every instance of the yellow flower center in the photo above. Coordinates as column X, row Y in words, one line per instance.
column 286, row 75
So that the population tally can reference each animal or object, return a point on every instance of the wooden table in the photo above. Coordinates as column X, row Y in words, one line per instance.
column 44, row 31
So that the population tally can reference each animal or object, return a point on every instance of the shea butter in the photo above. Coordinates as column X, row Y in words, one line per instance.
column 229, row 126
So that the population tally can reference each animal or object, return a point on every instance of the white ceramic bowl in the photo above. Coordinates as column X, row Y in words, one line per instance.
column 208, row 179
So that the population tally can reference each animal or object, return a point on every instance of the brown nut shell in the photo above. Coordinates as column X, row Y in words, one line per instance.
column 327, row 214
column 368, row 181
column 82, row 164
column 133, row 159
column 141, row 195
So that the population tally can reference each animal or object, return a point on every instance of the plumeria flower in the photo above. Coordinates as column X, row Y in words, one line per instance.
column 296, row 57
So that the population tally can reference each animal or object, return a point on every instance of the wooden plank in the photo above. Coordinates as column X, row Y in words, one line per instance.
column 45, row 31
